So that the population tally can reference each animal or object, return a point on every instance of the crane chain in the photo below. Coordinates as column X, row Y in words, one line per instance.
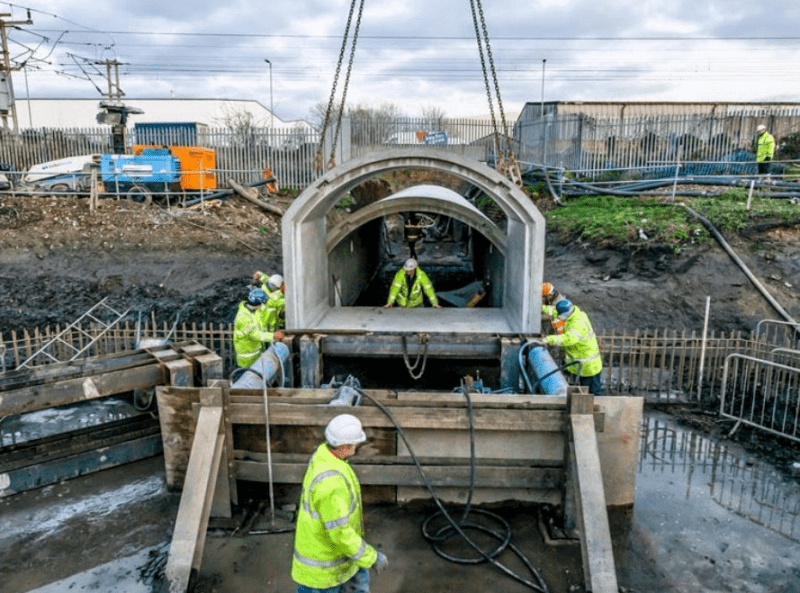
column 332, row 158
column 485, row 76
column 318, row 157
column 506, row 161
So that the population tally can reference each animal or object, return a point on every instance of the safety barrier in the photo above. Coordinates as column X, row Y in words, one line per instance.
column 761, row 393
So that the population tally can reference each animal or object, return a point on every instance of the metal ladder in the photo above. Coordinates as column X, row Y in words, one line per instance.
column 92, row 314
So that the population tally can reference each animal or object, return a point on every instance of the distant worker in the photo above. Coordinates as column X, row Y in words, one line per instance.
column 550, row 296
column 408, row 285
column 330, row 552
column 579, row 343
column 275, row 288
column 765, row 149
column 250, row 333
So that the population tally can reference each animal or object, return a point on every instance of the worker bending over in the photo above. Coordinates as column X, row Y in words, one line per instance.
column 579, row 343
column 550, row 296
column 330, row 552
column 251, row 333
column 275, row 288
column 408, row 285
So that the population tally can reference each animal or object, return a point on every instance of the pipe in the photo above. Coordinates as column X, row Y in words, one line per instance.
column 721, row 240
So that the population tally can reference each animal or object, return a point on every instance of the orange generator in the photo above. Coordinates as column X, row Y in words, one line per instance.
column 198, row 165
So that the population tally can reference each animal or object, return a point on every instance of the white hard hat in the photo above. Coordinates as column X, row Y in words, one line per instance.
column 761, row 127
column 275, row 282
column 344, row 429
column 411, row 264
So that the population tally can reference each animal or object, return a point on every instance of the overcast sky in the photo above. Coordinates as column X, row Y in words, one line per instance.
column 415, row 54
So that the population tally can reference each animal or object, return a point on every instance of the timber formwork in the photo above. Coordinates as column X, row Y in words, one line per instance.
column 48, row 460
column 214, row 437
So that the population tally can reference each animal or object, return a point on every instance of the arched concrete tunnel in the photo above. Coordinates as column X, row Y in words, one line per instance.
column 328, row 270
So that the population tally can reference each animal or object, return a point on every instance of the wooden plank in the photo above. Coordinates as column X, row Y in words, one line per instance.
column 408, row 418
column 374, row 474
column 210, row 367
column 380, row 459
column 230, row 462
column 181, row 373
column 39, row 397
column 188, row 538
column 81, row 367
column 417, row 398
column 177, row 429
column 595, row 531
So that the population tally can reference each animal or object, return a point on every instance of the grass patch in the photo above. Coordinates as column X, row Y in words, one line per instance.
column 729, row 212
column 617, row 221
column 611, row 220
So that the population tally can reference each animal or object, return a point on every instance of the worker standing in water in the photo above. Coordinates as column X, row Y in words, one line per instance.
column 408, row 285
column 250, row 332
column 580, row 345
column 330, row 552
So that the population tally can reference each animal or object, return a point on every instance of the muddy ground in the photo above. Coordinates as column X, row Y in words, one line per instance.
column 58, row 258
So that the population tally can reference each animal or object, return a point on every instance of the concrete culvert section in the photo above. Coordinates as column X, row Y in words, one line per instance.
column 328, row 269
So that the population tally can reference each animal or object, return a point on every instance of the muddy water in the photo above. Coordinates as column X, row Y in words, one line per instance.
column 709, row 517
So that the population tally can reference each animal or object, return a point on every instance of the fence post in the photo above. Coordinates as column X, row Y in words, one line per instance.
column 703, row 352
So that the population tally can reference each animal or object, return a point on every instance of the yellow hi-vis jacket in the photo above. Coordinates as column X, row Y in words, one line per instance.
column 765, row 147
column 399, row 290
column 329, row 545
column 273, row 308
column 250, row 334
column 578, row 340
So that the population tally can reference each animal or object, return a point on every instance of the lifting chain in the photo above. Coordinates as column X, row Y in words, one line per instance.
column 506, row 161
column 318, row 165
column 413, row 372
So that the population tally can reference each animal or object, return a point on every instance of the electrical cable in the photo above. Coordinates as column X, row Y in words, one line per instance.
column 460, row 527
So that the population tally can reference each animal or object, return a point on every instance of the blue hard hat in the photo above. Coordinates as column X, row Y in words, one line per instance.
column 256, row 297
column 563, row 306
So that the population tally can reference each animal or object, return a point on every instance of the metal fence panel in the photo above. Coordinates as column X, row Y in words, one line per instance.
column 761, row 393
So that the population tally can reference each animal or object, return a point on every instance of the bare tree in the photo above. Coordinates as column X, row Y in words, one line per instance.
column 433, row 117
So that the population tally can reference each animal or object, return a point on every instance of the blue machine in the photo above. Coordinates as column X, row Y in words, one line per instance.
column 545, row 371
column 156, row 169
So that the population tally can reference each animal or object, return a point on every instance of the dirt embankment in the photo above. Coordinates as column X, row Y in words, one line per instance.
column 59, row 258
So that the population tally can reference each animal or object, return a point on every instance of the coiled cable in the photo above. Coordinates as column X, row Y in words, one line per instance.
column 453, row 527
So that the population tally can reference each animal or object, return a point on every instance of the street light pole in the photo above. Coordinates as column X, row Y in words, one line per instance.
column 541, row 107
column 271, row 112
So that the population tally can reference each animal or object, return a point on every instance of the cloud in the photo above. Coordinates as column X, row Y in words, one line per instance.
column 412, row 53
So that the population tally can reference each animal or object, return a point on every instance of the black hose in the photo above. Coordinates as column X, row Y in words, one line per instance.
column 458, row 527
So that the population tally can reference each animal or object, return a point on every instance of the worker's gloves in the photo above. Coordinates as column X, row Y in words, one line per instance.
column 277, row 336
column 381, row 563
column 256, row 277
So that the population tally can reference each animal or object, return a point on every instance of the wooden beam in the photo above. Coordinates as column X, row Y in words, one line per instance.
column 407, row 474
column 412, row 417
column 188, row 538
column 50, row 373
column 37, row 397
column 598, row 555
